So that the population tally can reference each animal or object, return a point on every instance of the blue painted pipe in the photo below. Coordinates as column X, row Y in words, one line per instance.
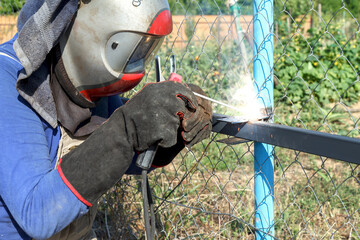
column 263, row 75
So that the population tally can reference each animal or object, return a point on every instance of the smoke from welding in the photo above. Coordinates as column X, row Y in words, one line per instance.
column 242, row 95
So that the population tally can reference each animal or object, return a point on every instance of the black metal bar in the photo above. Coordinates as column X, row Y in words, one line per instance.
column 323, row 144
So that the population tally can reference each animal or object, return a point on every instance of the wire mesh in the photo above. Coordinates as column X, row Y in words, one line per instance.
column 207, row 192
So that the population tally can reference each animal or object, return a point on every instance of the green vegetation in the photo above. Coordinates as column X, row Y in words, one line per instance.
column 11, row 6
column 323, row 67
column 202, row 7
column 296, row 8
column 317, row 79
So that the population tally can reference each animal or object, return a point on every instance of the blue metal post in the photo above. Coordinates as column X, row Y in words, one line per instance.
column 263, row 74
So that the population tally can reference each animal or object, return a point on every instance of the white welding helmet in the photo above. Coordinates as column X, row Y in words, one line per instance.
column 110, row 42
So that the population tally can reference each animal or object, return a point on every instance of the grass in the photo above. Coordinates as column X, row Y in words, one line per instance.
column 318, row 198
column 315, row 198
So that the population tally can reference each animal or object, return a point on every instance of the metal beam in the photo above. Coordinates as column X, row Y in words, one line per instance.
column 318, row 143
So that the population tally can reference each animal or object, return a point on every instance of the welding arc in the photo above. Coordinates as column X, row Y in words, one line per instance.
column 217, row 102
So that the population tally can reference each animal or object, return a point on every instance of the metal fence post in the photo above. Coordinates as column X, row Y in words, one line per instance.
column 263, row 75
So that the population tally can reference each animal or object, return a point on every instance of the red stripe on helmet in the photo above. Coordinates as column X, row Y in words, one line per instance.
column 124, row 84
column 162, row 24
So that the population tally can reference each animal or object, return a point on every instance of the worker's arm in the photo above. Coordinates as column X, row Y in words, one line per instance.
column 154, row 115
column 33, row 192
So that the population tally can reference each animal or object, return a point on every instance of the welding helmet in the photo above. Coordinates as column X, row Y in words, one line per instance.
column 109, row 43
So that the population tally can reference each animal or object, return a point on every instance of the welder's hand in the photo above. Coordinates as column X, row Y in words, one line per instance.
column 155, row 114
column 189, row 133
column 198, row 126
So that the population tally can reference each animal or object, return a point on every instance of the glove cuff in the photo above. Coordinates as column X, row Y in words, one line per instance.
column 71, row 187
column 99, row 162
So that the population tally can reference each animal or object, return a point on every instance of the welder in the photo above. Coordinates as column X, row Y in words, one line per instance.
column 66, row 136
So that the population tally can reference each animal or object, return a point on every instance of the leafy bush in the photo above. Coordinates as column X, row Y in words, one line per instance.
column 11, row 6
column 323, row 67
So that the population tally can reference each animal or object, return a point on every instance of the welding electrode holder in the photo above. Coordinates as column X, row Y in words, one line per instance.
column 144, row 161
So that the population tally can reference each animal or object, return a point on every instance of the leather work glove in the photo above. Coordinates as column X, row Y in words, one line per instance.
column 200, row 131
column 158, row 114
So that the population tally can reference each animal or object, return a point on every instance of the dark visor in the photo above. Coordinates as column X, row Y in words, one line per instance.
column 142, row 54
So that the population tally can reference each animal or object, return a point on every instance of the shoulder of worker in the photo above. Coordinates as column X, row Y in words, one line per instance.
column 10, row 66
column 10, row 69
column 8, row 56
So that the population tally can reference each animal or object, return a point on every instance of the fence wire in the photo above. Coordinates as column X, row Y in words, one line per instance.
column 207, row 192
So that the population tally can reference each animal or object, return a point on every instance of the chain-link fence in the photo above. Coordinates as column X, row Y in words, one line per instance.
column 207, row 192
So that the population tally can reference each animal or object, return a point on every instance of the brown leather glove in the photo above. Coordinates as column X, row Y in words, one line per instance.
column 203, row 117
column 194, row 128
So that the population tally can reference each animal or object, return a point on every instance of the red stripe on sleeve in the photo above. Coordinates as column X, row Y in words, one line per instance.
column 68, row 184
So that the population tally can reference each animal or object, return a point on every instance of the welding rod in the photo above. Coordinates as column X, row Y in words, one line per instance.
column 173, row 69
column 217, row 102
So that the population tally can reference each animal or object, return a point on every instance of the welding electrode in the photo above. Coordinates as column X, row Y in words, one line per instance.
column 215, row 101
